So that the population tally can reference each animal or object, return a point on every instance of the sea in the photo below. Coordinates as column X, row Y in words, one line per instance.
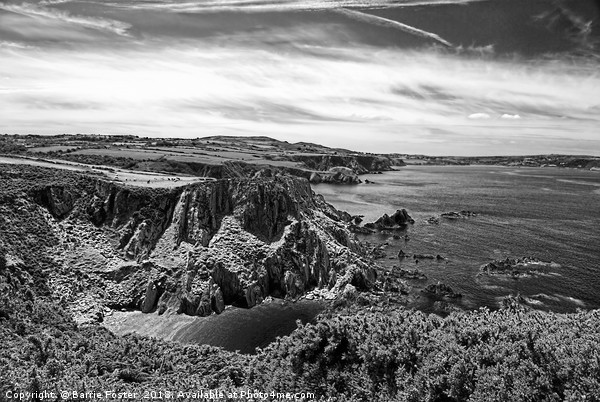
column 235, row 329
column 552, row 214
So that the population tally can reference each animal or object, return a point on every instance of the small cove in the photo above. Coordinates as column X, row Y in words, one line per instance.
column 234, row 329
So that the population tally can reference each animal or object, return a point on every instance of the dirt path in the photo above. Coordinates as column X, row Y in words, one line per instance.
column 129, row 177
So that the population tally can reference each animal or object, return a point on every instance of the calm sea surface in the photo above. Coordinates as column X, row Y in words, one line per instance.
column 549, row 213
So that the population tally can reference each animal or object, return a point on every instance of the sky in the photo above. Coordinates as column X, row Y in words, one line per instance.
column 426, row 77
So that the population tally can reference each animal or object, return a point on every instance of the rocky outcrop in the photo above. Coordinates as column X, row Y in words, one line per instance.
column 398, row 220
column 358, row 163
column 376, row 251
column 196, row 249
column 326, row 168
column 335, row 175
column 151, row 297
column 57, row 199
column 516, row 268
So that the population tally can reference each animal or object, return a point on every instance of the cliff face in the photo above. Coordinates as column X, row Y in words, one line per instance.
column 331, row 168
column 195, row 249
column 358, row 163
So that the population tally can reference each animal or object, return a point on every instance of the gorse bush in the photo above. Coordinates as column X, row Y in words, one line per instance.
column 504, row 355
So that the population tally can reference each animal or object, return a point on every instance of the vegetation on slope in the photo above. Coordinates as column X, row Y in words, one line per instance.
column 357, row 354
column 506, row 355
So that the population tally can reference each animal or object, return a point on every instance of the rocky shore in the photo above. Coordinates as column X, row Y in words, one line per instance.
column 194, row 249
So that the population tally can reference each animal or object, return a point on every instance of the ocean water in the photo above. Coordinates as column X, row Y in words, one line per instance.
column 549, row 213
column 552, row 214
column 234, row 329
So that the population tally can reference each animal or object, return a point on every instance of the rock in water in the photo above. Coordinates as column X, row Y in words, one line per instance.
column 423, row 256
column 516, row 268
column 151, row 297
column 443, row 290
column 433, row 220
column 398, row 220
column 458, row 215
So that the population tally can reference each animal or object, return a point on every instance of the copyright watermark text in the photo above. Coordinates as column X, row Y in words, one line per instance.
column 200, row 394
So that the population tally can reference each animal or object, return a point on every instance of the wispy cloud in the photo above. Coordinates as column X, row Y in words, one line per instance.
column 364, row 97
column 47, row 13
column 278, row 5
column 296, row 76
column 385, row 22
column 13, row 45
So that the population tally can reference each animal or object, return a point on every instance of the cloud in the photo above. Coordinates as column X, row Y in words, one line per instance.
column 42, row 13
column 13, row 45
column 385, row 22
column 294, row 84
column 479, row 116
column 510, row 116
column 277, row 5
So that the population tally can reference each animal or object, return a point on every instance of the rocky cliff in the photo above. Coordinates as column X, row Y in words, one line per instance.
column 327, row 168
column 198, row 248
column 359, row 163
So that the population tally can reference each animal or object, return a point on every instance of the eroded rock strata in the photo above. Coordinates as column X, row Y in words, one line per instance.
column 194, row 249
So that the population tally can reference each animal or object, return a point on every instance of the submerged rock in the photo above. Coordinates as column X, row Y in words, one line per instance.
column 428, row 257
column 433, row 220
column 458, row 215
column 409, row 274
column 441, row 289
column 423, row 256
